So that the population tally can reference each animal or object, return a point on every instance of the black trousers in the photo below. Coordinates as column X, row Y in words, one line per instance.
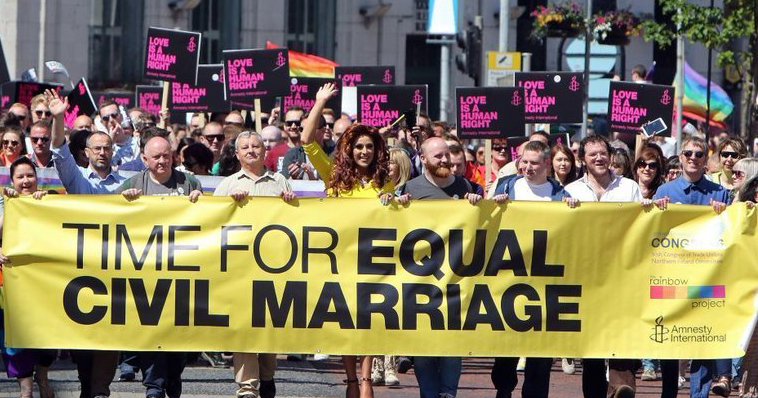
column 536, row 377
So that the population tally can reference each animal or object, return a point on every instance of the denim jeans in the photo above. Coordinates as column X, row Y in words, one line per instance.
column 701, row 374
column 737, row 369
column 437, row 375
column 162, row 373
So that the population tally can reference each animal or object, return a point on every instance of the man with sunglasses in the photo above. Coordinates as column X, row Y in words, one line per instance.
column 40, row 109
column 292, row 120
column 125, row 149
column 692, row 188
column 95, row 368
column 40, row 134
column 213, row 137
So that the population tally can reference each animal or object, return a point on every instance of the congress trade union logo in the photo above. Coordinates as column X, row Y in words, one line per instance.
column 660, row 332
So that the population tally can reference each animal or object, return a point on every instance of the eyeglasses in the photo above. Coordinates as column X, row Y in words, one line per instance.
column 106, row 118
column 698, row 154
column 214, row 137
column 100, row 148
column 10, row 143
column 738, row 174
column 44, row 140
column 46, row 113
column 730, row 154
column 295, row 123
column 646, row 165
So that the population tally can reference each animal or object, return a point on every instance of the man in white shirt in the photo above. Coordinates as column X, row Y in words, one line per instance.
column 599, row 184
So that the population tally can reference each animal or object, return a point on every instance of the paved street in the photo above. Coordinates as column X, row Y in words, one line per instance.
column 319, row 379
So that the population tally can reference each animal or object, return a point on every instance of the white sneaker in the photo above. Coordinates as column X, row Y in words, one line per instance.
column 377, row 371
column 521, row 364
column 320, row 357
column 567, row 364
column 649, row 375
column 681, row 381
column 390, row 377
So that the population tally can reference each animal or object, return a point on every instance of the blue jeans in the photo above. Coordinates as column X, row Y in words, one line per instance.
column 651, row 364
column 737, row 369
column 162, row 373
column 437, row 375
column 701, row 374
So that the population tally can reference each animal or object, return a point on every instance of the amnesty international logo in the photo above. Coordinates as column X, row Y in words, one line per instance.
column 660, row 332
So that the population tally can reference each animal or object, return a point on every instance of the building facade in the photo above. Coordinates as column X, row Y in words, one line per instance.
column 104, row 40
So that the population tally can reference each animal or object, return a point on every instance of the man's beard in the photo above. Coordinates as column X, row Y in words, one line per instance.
column 440, row 171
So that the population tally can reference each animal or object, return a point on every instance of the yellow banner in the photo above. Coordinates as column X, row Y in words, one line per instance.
column 349, row 276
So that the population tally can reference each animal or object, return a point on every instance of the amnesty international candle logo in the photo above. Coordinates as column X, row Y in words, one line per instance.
column 387, row 76
column 659, row 331
column 574, row 85
column 665, row 98
column 280, row 61
column 82, row 90
column 191, row 47
column 516, row 99
column 417, row 97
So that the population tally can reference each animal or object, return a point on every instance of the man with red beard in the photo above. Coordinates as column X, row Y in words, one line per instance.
column 437, row 181
column 438, row 376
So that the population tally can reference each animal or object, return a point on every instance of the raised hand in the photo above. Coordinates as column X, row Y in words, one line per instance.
column 57, row 105
column 326, row 91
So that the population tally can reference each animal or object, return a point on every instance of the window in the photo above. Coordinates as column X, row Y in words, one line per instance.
column 422, row 15
column 311, row 26
column 219, row 22
column 115, row 35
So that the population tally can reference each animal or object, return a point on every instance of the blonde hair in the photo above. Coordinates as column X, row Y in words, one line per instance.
column 39, row 98
column 400, row 157
column 749, row 166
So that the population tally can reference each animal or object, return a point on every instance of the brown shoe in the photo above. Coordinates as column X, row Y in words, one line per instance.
column 723, row 387
column 624, row 391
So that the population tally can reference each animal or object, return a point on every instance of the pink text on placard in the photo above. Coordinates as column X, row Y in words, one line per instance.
column 372, row 113
column 622, row 109
column 156, row 58
column 240, row 78
column 182, row 93
column 472, row 116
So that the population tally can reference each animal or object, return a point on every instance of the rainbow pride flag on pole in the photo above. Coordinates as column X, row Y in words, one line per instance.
column 307, row 65
column 695, row 94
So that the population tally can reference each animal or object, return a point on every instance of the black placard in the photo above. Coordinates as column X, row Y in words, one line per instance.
column 379, row 106
column 251, row 74
column 5, row 76
column 553, row 140
column 350, row 76
column 489, row 112
column 80, row 102
column 630, row 105
column 23, row 92
column 123, row 98
column 149, row 99
column 552, row 97
column 267, row 104
column 303, row 94
column 172, row 55
column 206, row 96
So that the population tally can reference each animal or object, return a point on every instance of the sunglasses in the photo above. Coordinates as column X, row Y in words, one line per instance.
column 46, row 113
column 330, row 125
column 214, row 137
column 698, row 154
column 292, row 123
column 44, row 140
column 106, row 118
column 10, row 142
column 738, row 173
column 238, row 124
column 499, row 148
column 646, row 165
column 730, row 154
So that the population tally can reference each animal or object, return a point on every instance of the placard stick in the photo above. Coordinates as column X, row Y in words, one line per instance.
column 201, row 117
column 258, row 122
column 487, row 163
column 164, row 105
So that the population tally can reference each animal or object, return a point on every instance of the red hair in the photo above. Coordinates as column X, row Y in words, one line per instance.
column 345, row 172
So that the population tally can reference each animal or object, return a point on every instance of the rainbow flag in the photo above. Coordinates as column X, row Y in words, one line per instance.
column 695, row 93
column 307, row 65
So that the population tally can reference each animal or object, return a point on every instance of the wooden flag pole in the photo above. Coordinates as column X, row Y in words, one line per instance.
column 164, row 105
column 258, row 122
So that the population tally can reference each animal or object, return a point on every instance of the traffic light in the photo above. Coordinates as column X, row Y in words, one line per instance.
column 470, row 59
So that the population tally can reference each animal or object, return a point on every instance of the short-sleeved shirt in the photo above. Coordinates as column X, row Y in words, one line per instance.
column 180, row 184
column 269, row 184
column 421, row 188
column 620, row 189
column 692, row 193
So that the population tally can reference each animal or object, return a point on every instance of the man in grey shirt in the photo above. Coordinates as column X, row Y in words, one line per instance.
column 161, row 370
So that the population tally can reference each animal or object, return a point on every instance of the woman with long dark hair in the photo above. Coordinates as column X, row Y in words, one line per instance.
column 648, row 171
column 359, row 169
column 26, row 365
